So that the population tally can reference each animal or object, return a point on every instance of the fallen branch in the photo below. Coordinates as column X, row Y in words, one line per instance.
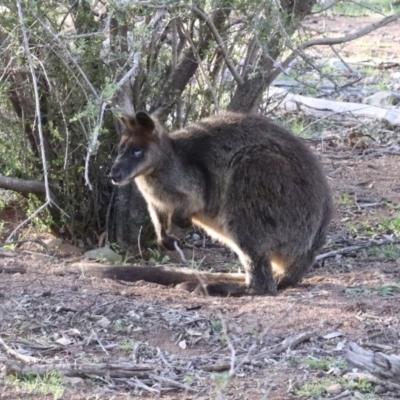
column 383, row 366
column 288, row 343
column 310, row 106
column 22, row 185
column 114, row 370
column 13, row 270
column 7, row 255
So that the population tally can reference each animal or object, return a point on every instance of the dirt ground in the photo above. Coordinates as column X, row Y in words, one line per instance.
column 186, row 344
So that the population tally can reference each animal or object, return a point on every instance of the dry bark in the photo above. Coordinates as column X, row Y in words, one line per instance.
column 383, row 366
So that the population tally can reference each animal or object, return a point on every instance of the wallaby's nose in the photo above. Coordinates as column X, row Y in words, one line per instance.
column 115, row 176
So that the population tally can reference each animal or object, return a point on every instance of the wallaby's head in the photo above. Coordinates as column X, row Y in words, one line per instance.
column 140, row 150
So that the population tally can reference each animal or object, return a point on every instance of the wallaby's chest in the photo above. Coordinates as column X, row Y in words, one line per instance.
column 157, row 192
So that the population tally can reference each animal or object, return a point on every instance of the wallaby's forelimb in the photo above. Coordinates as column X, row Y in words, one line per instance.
column 161, row 222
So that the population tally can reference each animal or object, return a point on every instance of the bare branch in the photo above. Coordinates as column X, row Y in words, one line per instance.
column 204, row 17
column 23, row 223
column 202, row 69
column 37, row 101
column 330, row 42
column 72, row 59
column 93, row 144
column 184, row 71
column 132, row 72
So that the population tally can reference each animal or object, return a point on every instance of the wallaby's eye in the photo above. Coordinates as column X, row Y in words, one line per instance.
column 137, row 153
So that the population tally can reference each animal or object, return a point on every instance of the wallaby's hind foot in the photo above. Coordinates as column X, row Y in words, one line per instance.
column 168, row 242
column 295, row 272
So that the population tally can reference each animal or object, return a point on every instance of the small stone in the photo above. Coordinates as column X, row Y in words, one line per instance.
column 103, row 254
column 336, row 388
column 380, row 389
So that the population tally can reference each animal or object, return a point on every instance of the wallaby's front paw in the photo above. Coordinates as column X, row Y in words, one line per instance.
column 168, row 242
column 181, row 221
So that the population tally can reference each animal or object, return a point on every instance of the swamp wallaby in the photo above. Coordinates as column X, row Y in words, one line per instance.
column 249, row 183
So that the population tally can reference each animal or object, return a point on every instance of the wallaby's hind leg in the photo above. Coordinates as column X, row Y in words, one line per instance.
column 258, row 280
column 294, row 272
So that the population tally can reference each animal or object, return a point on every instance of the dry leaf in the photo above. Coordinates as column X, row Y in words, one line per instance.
column 193, row 332
column 333, row 335
column 104, row 322
column 65, row 341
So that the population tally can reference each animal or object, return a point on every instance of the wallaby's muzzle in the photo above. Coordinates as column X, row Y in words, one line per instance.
column 116, row 175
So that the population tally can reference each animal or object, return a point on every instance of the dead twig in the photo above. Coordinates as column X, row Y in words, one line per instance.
column 171, row 382
column 15, row 354
column 248, row 359
column 136, row 383
column 13, row 270
column 9, row 255
column 288, row 343
column 19, row 242
column 350, row 249
column 342, row 395
column 178, row 249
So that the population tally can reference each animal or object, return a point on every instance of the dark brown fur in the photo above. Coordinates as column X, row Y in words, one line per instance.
column 248, row 182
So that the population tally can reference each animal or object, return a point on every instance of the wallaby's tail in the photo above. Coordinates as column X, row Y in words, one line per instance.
column 211, row 283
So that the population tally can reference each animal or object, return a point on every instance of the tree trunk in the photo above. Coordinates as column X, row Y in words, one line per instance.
column 132, row 221
column 248, row 96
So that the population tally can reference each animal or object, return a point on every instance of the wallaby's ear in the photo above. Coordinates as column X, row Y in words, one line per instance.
column 128, row 121
column 145, row 121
